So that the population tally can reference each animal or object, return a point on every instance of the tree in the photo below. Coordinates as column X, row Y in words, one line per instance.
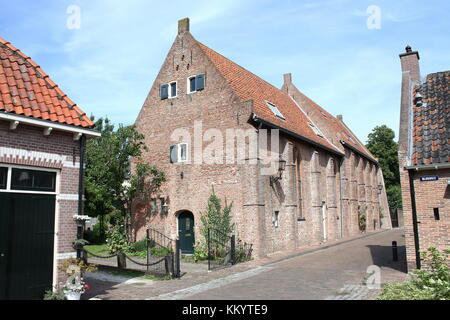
column 217, row 218
column 110, row 184
column 382, row 145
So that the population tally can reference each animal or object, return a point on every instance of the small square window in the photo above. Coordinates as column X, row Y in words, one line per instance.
column 275, row 110
column 153, row 206
column 436, row 214
column 314, row 128
column 192, row 84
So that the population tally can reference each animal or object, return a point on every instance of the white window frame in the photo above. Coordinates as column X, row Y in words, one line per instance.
column 188, row 81
column 179, row 152
column 281, row 115
column 9, row 176
column 170, row 90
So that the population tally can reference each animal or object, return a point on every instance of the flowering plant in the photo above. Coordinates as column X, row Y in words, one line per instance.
column 76, row 284
column 78, row 217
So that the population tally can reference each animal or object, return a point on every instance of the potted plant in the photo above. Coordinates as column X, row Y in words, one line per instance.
column 75, row 286
column 81, row 219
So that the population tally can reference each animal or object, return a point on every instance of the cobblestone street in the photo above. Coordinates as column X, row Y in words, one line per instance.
column 337, row 271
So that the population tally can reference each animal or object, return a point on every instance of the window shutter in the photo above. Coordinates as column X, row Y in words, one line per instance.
column 200, row 82
column 164, row 91
column 173, row 153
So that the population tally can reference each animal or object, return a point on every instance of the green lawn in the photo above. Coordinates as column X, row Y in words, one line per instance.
column 98, row 249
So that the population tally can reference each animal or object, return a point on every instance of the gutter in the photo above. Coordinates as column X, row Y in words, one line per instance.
column 428, row 167
column 81, row 175
column 269, row 124
column 48, row 124
column 359, row 152
column 414, row 217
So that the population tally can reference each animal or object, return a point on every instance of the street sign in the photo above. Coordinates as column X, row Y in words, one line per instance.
column 429, row 178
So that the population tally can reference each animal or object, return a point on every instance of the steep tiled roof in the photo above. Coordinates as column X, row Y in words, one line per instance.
column 25, row 89
column 337, row 130
column 431, row 122
column 248, row 86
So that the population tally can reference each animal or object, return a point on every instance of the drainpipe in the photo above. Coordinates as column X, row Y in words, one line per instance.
column 341, row 162
column 414, row 216
column 81, row 175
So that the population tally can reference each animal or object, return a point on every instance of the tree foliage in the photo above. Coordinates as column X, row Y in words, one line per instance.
column 217, row 217
column 382, row 145
column 110, row 184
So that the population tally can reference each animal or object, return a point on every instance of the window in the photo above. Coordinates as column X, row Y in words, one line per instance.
column 168, row 90
column 316, row 131
column 179, row 153
column 275, row 219
column 163, row 205
column 436, row 214
column 33, row 180
column 3, row 177
column 153, row 206
column 173, row 90
column 196, row 83
column 275, row 110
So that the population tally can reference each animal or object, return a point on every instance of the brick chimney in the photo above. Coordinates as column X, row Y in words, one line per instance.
column 340, row 117
column 183, row 25
column 410, row 77
column 287, row 78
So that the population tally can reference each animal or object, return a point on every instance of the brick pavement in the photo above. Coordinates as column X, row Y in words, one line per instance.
column 334, row 271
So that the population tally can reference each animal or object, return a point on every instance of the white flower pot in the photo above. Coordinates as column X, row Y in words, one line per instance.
column 71, row 295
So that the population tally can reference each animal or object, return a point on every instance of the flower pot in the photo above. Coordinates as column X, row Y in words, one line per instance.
column 72, row 295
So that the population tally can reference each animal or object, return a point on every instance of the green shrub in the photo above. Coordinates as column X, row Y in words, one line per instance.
column 116, row 240
column 200, row 253
column 160, row 252
column 430, row 283
column 54, row 295
column 94, row 236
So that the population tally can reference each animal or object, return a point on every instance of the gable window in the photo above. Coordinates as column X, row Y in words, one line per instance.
column 275, row 110
column 168, row 90
column 178, row 153
column 173, row 90
column 196, row 83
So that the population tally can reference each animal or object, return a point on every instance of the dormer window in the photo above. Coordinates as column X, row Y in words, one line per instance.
column 196, row 83
column 275, row 110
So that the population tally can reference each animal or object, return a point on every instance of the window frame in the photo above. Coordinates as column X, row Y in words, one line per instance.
column 6, row 177
column 170, row 96
column 276, row 111
column 179, row 152
column 188, row 85
column 9, row 178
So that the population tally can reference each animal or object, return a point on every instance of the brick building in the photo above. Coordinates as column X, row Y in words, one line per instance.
column 201, row 103
column 41, row 134
column 424, row 157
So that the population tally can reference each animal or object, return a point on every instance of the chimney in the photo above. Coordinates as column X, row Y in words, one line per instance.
column 340, row 117
column 287, row 78
column 410, row 77
column 183, row 25
column 410, row 63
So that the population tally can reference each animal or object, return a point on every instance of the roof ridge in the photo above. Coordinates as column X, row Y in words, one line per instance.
column 48, row 81
column 237, row 64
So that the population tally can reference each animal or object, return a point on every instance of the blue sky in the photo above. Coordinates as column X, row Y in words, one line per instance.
column 108, row 65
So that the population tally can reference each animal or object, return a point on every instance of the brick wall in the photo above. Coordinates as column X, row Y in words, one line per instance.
column 62, row 146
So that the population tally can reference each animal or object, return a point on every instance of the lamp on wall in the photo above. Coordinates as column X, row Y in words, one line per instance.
column 380, row 187
column 281, row 168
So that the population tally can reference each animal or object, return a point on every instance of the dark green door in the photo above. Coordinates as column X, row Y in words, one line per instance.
column 26, row 247
column 186, row 232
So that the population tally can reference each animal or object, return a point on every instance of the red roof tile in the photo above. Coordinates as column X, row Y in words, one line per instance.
column 25, row 89
column 248, row 86
column 336, row 128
